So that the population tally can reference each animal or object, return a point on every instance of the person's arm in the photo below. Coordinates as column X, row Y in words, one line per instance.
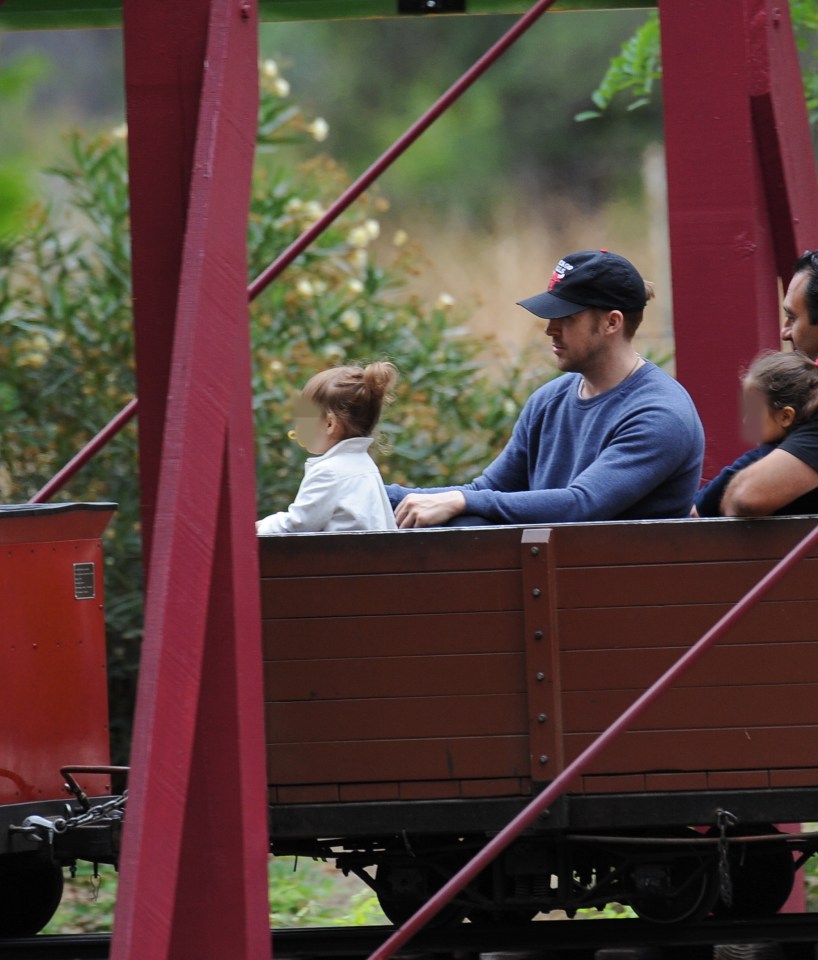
column 430, row 506
column 311, row 510
column 707, row 502
column 645, row 451
column 768, row 485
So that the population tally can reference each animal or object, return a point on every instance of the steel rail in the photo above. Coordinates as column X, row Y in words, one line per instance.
column 311, row 234
column 538, row 807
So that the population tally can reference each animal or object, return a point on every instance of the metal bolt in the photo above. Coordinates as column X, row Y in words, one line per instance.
column 543, row 758
column 541, row 676
column 536, row 592
column 538, row 634
column 535, row 551
column 541, row 718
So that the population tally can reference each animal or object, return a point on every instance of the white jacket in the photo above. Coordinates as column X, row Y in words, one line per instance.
column 341, row 490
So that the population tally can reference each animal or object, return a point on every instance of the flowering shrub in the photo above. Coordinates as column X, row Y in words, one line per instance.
column 66, row 345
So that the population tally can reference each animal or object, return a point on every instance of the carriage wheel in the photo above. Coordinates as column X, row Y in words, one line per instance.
column 30, row 892
column 403, row 890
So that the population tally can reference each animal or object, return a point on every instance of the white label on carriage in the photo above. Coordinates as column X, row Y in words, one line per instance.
column 84, row 581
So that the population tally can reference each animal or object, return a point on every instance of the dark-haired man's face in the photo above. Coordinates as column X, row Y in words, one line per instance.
column 797, row 329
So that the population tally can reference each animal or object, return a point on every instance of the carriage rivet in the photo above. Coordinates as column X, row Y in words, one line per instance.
column 538, row 634
column 541, row 718
column 535, row 551
column 536, row 592
column 541, row 676
column 543, row 758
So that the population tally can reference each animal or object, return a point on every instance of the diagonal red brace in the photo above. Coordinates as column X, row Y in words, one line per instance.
column 540, row 804
column 347, row 198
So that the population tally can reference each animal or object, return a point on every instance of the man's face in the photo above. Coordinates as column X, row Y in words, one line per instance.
column 578, row 340
column 797, row 329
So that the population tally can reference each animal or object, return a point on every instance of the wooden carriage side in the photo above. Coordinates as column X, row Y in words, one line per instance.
column 473, row 662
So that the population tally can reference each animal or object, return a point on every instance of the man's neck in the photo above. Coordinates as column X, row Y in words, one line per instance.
column 611, row 373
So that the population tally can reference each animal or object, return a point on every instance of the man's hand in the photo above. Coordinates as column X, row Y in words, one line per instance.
column 429, row 509
column 768, row 485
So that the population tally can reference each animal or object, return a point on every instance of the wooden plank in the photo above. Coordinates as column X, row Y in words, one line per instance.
column 318, row 793
column 394, row 677
column 680, row 583
column 798, row 777
column 399, row 719
column 362, row 792
column 680, row 625
column 781, row 663
column 683, row 708
column 392, row 636
column 695, row 750
column 495, row 788
column 429, row 789
column 676, row 781
column 399, row 760
column 738, row 779
column 676, row 541
column 392, row 594
column 409, row 551
column 631, row 783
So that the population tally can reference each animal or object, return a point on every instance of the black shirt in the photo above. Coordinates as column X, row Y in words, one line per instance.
column 802, row 442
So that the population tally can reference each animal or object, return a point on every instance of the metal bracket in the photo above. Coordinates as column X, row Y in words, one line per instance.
column 419, row 7
column 541, row 646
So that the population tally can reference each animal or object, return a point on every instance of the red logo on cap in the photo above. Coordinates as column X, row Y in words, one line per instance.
column 560, row 270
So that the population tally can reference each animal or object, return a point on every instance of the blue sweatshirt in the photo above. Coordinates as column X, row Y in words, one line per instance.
column 631, row 453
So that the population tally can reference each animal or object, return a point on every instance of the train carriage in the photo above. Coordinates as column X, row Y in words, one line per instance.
column 421, row 686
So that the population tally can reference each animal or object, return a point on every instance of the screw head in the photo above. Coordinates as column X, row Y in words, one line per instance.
column 536, row 592
column 541, row 718
column 541, row 676
column 543, row 758
column 538, row 634
column 535, row 551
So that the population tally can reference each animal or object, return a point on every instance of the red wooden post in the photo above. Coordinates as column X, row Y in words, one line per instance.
column 195, row 845
column 742, row 188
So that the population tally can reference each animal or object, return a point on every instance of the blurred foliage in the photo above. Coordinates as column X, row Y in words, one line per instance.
column 510, row 140
column 303, row 893
column 637, row 68
column 66, row 347
column 18, row 76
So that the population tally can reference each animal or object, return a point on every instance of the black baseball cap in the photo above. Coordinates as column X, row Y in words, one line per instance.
column 590, row 278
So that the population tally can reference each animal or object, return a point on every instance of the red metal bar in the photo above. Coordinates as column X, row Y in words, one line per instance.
column 88, row 452
column 539, row 805
column 198, row 786
column 264, row 279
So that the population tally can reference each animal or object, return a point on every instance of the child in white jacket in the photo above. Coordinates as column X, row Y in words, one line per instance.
column 342, row 487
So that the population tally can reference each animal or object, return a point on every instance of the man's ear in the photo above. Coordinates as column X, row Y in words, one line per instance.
column 613, row 321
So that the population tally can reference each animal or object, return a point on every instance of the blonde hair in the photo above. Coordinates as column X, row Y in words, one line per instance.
column 353, row 394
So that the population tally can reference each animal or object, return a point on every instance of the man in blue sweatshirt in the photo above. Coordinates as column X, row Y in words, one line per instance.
column 614, row 439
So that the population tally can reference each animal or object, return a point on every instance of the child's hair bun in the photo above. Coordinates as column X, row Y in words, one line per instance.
column 381, row 377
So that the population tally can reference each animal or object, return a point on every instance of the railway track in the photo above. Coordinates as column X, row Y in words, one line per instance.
column 781, row 938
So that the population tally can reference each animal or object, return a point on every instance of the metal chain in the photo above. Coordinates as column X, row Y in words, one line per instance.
column 724, row 821
column 99, row 812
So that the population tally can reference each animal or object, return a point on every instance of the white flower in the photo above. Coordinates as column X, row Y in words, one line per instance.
column 294, row 205
column 351, row 319
column 373, row 229
column 313, row 210
column 444, row 301
column 359, row 259
column 281, row 87
column 318, row 129
column 354, row 285
column 276, row 367
column 319, row 287
column 270, row 69
column 120, row 132
column 400, row 238
column 359, row 237
column 305, row 288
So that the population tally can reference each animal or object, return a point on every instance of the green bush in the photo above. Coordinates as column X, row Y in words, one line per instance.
column 66, row 346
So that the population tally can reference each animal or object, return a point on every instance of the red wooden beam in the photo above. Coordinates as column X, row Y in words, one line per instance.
column 742, row 189
column 195, row 844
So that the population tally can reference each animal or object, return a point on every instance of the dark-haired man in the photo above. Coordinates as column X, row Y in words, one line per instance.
column 616, row 438
column 791, row 470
